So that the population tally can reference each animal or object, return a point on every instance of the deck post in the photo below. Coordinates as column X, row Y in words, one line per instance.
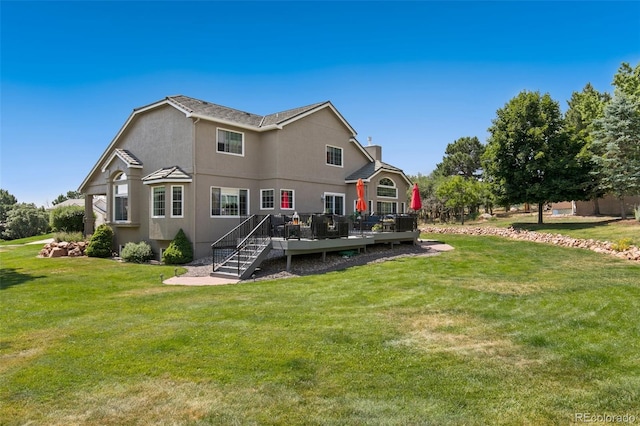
column 288, row 262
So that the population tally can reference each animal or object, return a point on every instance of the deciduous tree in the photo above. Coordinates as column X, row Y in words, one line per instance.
column 530, row 156
column 458, row 192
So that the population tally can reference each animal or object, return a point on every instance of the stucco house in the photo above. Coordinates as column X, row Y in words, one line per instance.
column 186, row 163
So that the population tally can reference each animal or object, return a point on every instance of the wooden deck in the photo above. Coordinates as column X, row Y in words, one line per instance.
column 292, row 247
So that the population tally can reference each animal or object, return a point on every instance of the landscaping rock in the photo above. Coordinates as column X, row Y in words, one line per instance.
column 57, row 252
column 63, row 248
column 606, row 247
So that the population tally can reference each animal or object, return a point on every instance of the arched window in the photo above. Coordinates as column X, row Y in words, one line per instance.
column 386, row 188
column 120, row 198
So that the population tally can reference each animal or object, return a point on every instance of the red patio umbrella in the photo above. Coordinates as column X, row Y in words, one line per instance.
column 416, row 202
column 361, row 205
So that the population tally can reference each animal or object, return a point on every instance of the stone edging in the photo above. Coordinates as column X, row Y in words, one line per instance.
column 633, row 253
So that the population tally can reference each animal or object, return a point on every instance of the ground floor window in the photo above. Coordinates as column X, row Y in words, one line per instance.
column 158, row 201
column 286, row 199
column 177, row 201
column 229, row 202
column 267, row 199
column 334, row 204
column 386, row 207
column 120, row 198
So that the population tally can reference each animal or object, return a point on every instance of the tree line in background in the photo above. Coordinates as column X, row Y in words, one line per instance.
column 534, row 155
column 22, row 220
column 537, row 155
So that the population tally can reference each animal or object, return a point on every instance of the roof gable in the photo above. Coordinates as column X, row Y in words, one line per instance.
column 126, row 156
column 167, row 174
column 369, row 171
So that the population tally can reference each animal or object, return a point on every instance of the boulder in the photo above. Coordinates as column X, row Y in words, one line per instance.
column 57, row 252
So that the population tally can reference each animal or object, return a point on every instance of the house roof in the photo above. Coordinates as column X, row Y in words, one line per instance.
column 193, row 107
column 167, row 174
column 369, row 171
column 204, row 110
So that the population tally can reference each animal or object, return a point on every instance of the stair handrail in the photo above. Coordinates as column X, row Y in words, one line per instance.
column 230, row 243
column 225, row 247
column 252, row 235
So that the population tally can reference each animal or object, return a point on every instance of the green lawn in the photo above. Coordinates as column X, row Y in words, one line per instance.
column 595, row 227
column 495, row 332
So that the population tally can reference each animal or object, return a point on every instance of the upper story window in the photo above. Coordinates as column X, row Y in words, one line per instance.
column 230, row 142
column 387, row 188
column 158, row 201
column 267, row 199
column 120, row 198
column 229, row 202
column 334, row 155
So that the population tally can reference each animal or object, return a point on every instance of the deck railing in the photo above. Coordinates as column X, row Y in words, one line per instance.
column 320, row 226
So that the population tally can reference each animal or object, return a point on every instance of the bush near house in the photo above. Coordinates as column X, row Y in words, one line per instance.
column 179, row 251
column 67, row 219
column 101, row 242
column 137, row 253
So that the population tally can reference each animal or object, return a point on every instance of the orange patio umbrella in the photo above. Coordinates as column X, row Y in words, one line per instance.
column 361, row 205
column 416, row 202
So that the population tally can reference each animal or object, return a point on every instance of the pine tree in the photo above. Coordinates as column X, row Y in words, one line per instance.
column 616, row 148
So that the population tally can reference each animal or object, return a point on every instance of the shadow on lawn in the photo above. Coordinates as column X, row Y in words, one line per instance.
column 10, row 277
column 561, row 226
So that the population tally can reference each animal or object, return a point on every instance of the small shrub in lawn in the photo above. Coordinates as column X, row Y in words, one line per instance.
column 622, row 244
column 137, row 253
column 179, row 251
column 67, row 219
column 101, row 242
column 70, row 237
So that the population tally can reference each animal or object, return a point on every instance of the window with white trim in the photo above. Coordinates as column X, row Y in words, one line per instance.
column 334, row 155
column 387, row 188
column 120, row 198
column 386, row 207
column 287, row 201
column 267, row 199
column 230, row 142
column 177, row 201
column 334, row 203
column 158, row 203
column 229, row 202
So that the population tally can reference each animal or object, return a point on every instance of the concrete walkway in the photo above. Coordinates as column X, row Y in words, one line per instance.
column 208, row 280
column 198, row 281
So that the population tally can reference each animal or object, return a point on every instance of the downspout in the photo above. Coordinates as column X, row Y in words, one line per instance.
column 194, row 182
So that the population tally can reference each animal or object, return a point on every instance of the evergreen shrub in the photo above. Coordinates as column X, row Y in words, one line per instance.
column 101, row 242
column 179, row 251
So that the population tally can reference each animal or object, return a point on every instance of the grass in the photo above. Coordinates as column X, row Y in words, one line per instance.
column 597, row 227
column 494, row 332
column 26, row 240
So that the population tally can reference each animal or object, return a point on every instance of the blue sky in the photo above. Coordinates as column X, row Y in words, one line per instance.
column 414, row 76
